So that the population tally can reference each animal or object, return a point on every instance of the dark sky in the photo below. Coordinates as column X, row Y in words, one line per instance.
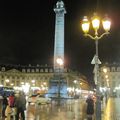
column 27, row 33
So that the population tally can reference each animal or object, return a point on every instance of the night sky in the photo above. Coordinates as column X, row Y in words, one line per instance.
column 27, row 33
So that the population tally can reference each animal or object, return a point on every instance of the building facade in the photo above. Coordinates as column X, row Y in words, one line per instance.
column 110, row 79
column 36, row 76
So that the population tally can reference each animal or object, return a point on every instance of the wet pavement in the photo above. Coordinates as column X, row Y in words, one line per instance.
column 71, row 110
column 68, row 110
column 112, row 110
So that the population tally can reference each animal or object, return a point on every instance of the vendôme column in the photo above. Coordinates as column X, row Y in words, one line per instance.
column 59, row 34
column 57, row 85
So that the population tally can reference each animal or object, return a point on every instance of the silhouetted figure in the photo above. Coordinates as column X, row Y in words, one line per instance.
column 4, row 105
column 90, row 107
column 11, row 100
column 20, row 104
column 8, row 112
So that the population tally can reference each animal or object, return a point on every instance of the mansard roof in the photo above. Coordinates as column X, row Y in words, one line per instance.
column 13, row 71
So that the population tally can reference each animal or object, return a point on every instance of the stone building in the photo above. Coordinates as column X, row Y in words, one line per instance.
column 110, row 79
column 39, row 75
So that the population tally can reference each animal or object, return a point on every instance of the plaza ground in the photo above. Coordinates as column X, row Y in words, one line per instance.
column 71, row 110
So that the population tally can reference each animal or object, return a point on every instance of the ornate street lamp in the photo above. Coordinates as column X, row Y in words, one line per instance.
column 95, row 21
column 60, row 63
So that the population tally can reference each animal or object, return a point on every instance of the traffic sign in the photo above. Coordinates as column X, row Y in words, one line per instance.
column 95, row 60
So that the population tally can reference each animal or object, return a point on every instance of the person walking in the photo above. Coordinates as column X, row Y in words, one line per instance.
column 20, row 104
column 4, row 105
column 90, row 108
column 8, row 112
column 11, row 100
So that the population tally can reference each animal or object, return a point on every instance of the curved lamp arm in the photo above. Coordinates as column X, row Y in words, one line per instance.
column 96, row 37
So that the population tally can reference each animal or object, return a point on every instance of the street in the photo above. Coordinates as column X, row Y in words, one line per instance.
column 67, row 110
column 112, row 111
column 71, row 110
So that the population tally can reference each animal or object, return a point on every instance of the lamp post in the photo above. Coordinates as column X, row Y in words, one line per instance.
column 60, row 64
column 85, row 27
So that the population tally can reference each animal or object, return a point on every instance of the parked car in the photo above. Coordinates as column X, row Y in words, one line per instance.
column 39, row 99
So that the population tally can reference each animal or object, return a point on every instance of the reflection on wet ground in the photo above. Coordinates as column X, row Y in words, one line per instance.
column 67, row 110
column 71, row 110
column 112, row 111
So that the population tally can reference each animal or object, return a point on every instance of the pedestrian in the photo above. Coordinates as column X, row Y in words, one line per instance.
column 20, row 104
column 4, row 105
column 11, row 100
column 90, row 107
column 8, row 112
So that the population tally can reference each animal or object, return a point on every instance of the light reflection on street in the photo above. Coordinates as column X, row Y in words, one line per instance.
column 112, row 111
column 68, row 110
column 71, row 110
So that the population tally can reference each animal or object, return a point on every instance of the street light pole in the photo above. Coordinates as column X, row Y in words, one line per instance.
column 98, row 95
column 85, row 27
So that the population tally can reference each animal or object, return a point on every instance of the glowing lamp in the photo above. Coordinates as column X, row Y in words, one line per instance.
column 105, row 70
column 85, row 25
column 59, row 61
column 106, row 24
column 95, row 22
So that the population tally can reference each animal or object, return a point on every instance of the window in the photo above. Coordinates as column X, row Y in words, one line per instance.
column 46, row 70
column 118, row 69
column 50, row 70
column 41, row 70
column 113, row 69
column 28, row 70
column 23, row 70
column 33, row 70
column 37, row 70
column 3, row 69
